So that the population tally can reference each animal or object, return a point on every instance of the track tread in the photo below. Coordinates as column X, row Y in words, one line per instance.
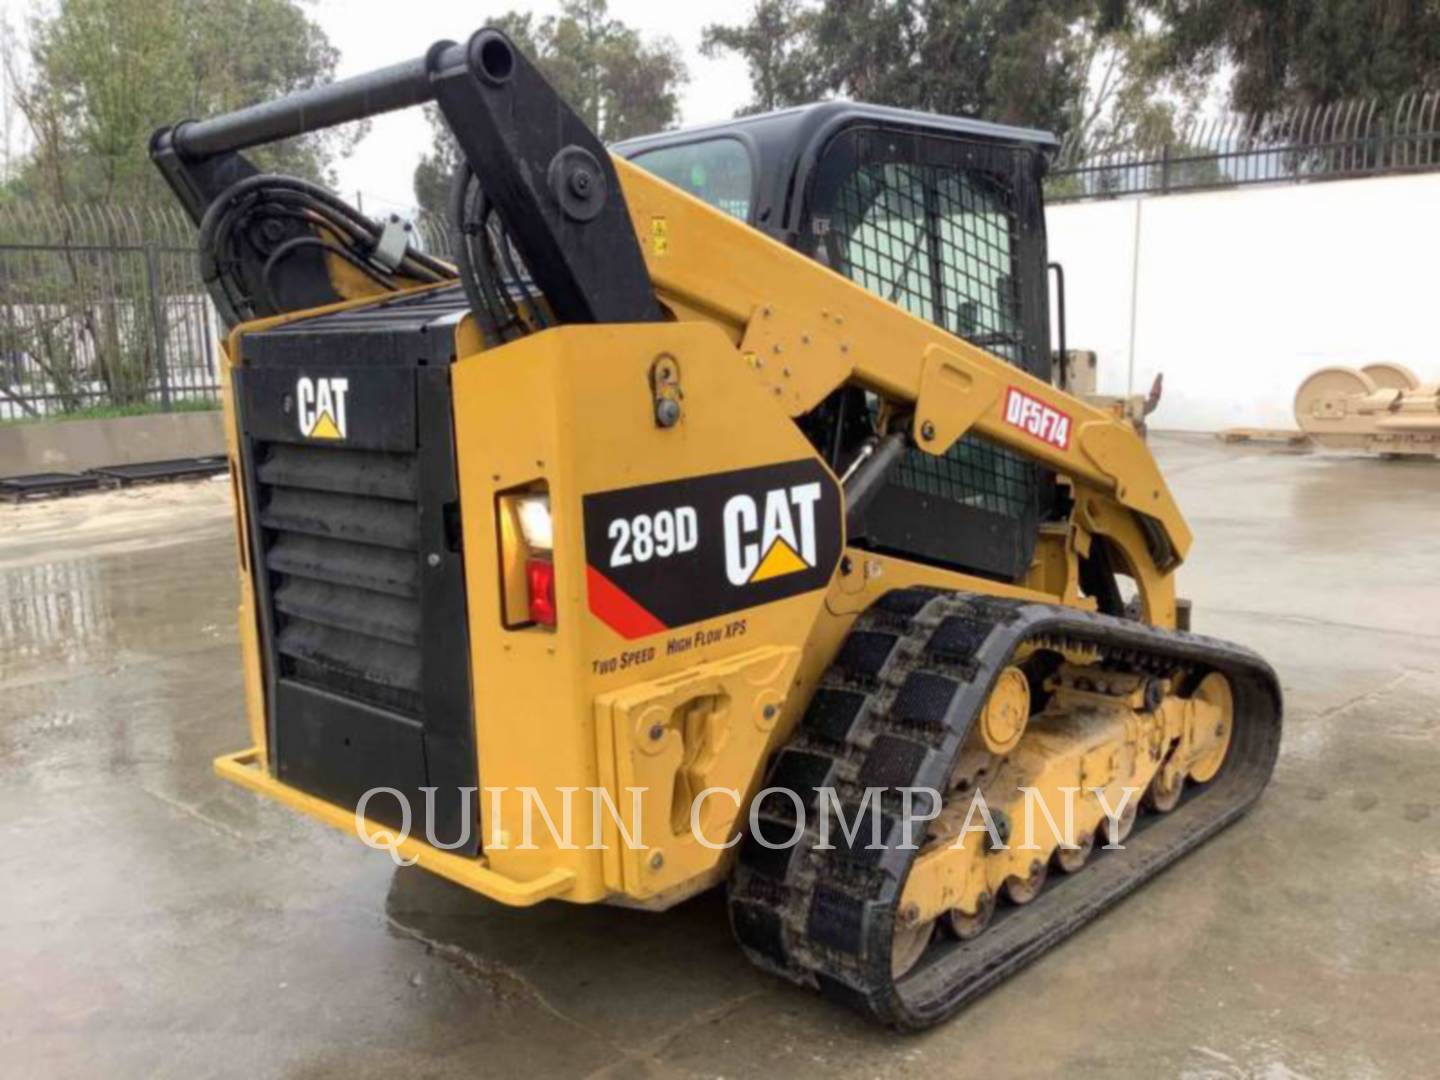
column 893, row 711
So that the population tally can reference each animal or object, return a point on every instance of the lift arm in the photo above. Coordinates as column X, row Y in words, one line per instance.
column 806, row 330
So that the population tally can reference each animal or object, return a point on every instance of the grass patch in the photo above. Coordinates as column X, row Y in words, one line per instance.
column 113, row 412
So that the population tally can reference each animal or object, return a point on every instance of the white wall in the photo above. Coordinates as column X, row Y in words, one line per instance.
column 1243, row 293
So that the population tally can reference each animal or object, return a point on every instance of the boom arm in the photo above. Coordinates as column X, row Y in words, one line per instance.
column 807, row 330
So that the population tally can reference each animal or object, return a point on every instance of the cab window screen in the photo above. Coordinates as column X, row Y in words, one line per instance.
column 937, row 241
column 948, row 230
column 715, row 170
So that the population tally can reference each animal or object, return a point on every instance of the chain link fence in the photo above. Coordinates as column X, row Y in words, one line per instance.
column 434, row 235
column 1331, row 142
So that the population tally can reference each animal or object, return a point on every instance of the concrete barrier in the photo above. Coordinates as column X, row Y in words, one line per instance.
column 77, row 445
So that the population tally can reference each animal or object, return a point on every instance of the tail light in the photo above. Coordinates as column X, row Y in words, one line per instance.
column 527, row 544
column 540, row 586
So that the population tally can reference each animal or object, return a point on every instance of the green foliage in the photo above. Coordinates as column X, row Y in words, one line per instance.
column 101, row 75
column 1130, row 97
column 1292, row 53
column 1088, row 69
column 1015, row 61
column 114, row 412
column 619, row 83
column 775, row 45
column 1103, row 73
column 97, row 78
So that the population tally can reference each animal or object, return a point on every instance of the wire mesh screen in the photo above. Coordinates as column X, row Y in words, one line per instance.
column 974, row 472
column 939, row 243
column 942, row 241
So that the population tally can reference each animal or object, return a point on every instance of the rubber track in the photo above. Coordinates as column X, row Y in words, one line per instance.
column 893, row 711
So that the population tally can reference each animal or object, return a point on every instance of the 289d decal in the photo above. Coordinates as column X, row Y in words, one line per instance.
column 658, row 535
column 665, row 555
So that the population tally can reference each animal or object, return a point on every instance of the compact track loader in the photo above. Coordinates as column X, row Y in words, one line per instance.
column 716, row 502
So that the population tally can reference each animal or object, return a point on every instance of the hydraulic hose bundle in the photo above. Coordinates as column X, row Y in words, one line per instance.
column 491, row 271
column 258, row 224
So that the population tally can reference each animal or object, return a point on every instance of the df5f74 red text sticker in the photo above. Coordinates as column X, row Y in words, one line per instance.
column 1034, row 417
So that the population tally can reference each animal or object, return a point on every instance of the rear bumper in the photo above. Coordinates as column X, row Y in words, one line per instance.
column 247, row 769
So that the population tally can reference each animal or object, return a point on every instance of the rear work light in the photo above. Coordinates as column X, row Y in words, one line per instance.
column 535, row 524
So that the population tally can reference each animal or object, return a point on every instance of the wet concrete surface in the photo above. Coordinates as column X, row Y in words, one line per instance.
column 156, row 922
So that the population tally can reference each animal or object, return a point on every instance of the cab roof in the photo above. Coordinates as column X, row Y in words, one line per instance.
column 784, row 145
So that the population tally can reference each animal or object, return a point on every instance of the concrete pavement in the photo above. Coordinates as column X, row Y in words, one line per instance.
column 156, row 922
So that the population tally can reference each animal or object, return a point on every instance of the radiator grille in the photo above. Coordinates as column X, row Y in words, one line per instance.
column 340, row 530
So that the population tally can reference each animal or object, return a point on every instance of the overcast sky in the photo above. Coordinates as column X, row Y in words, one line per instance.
column 373, row 33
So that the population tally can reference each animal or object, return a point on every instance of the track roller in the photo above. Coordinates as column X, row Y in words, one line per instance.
column 905, row 707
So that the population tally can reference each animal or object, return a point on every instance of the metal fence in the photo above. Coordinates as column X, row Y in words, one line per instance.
column 101, row 306
column 433, row 235
column 1331, row 142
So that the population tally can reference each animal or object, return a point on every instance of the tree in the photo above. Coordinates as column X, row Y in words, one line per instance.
column 96, row 78
column 1295, row 53
column 1133, row 99
column 99, row 76
column 1015, row 61
column 7, row 127
column 1091, row 70
column 620, row 84
column 775, row 45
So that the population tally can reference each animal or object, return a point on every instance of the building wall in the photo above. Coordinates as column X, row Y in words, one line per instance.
column 1238, row 295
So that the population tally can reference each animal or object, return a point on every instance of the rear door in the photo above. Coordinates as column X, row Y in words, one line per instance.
column 350, row 478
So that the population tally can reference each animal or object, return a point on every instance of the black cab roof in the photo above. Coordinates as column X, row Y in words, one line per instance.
column 784, row 146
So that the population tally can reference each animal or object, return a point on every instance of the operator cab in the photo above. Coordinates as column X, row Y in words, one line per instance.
column 941, row 215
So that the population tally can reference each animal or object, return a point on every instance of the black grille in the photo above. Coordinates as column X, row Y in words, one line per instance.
column 356, row 544
column 341, row 539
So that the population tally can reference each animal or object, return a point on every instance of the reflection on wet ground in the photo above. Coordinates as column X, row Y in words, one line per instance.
column 156, row 922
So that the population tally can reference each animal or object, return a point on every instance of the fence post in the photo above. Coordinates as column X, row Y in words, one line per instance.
column 1165, row 168
column 157, row 321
